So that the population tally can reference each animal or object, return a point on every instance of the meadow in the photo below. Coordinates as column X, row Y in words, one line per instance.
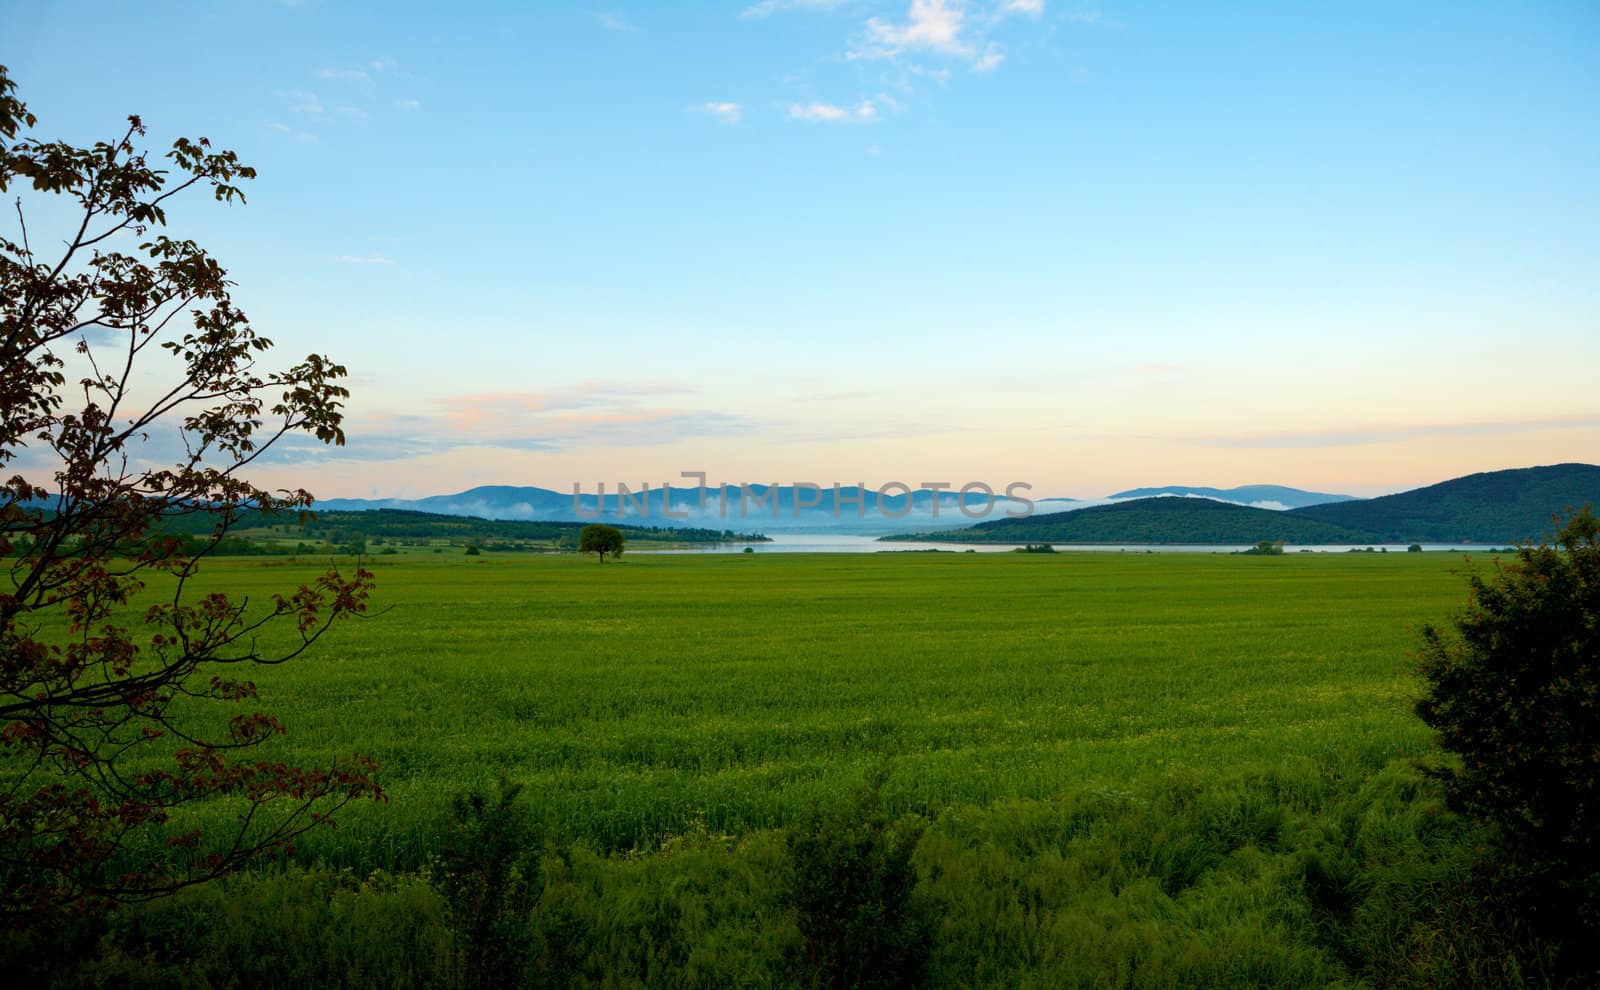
column 635, row 699
column 1077, row 769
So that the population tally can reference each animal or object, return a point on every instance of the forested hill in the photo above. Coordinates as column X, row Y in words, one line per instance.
column 1492, row 507
column 1260, row 496
column 1159, row 520
column 404, row 524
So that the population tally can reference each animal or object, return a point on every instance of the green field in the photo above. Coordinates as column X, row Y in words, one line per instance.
column 636, row 698
column 1095, row 770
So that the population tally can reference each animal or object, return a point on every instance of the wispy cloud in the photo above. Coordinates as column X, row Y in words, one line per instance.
column 766, row 8
column 828, row 113
column 940, row 29
column 615, row 22
column 989, row 60
column 288, row 131
column 1087, row 15
column 360, row 73
column 1387, row 433
column 728, row 113
column 592, row 414
column 302, row 102
column 409, row 106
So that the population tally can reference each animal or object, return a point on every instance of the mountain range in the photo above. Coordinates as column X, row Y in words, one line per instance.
column 786, row 508
column 1495, row 507
column 1260, row 496
column 768, row 508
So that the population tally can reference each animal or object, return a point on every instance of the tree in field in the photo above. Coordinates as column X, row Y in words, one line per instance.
column 119, row 342
column 1514, row 692
column 601, row 539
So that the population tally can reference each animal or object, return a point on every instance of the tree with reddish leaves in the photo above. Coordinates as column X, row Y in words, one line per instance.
column 108, row 655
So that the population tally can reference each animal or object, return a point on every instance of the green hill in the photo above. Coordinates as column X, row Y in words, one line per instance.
column 1493, row 507
column 339, row 527
column 1158, row 520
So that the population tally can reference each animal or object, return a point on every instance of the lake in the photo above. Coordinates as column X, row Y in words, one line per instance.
column 852, row 543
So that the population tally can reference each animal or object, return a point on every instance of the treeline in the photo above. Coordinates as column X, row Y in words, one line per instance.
column 1155, row 520
column 1495, row 507
column 344, row 531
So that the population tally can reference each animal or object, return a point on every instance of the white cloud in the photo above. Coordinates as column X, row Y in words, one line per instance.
column 1032, row 7
column 408, row 105
column 728, row 113
column 615, row 22
column 288, row 131
column 932, row 25
column 990, row 60
column 828, row 113
column 302, row 102
column 1087, row 15
column 381, row 64
column 372, row 259
column 766, row 8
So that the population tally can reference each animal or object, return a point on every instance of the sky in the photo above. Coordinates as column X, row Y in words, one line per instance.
column 1347, row 247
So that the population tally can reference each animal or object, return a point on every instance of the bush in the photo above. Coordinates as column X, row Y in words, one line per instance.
column 1514, row 692
column 852, row 889
column 489, row 873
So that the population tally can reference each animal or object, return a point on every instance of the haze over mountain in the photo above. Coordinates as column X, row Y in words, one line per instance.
column 766, row 508
column 1494, row 507
column 1260, row 496
column 1160, row 519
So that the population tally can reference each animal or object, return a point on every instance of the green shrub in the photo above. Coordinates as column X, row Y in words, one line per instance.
column 852, row 889
column 1514, row 692
column 489, row 874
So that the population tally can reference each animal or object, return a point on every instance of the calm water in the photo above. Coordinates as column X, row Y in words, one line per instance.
column 846, row 543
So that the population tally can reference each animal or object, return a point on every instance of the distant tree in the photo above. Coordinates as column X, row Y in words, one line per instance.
column 1514, row 692
column 601, row 539
column 119, row 333
column 1266, row 548
column 1414, row 548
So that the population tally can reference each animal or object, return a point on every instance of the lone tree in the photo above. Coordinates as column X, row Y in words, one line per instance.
column 1514, row 692
column 601, row 539
column 129, row 396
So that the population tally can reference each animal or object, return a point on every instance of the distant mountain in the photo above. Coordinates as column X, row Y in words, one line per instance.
column 762, row 508
column 1260, row 496
column 1160, row 520
column 1493, row 507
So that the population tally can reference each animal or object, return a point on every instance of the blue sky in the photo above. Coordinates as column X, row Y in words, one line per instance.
column 1349, row 247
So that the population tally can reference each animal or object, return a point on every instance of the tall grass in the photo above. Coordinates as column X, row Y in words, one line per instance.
column 1102, row 770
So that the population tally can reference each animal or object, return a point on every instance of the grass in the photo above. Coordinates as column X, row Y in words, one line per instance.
column 638, row 699
column 1004, row 770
